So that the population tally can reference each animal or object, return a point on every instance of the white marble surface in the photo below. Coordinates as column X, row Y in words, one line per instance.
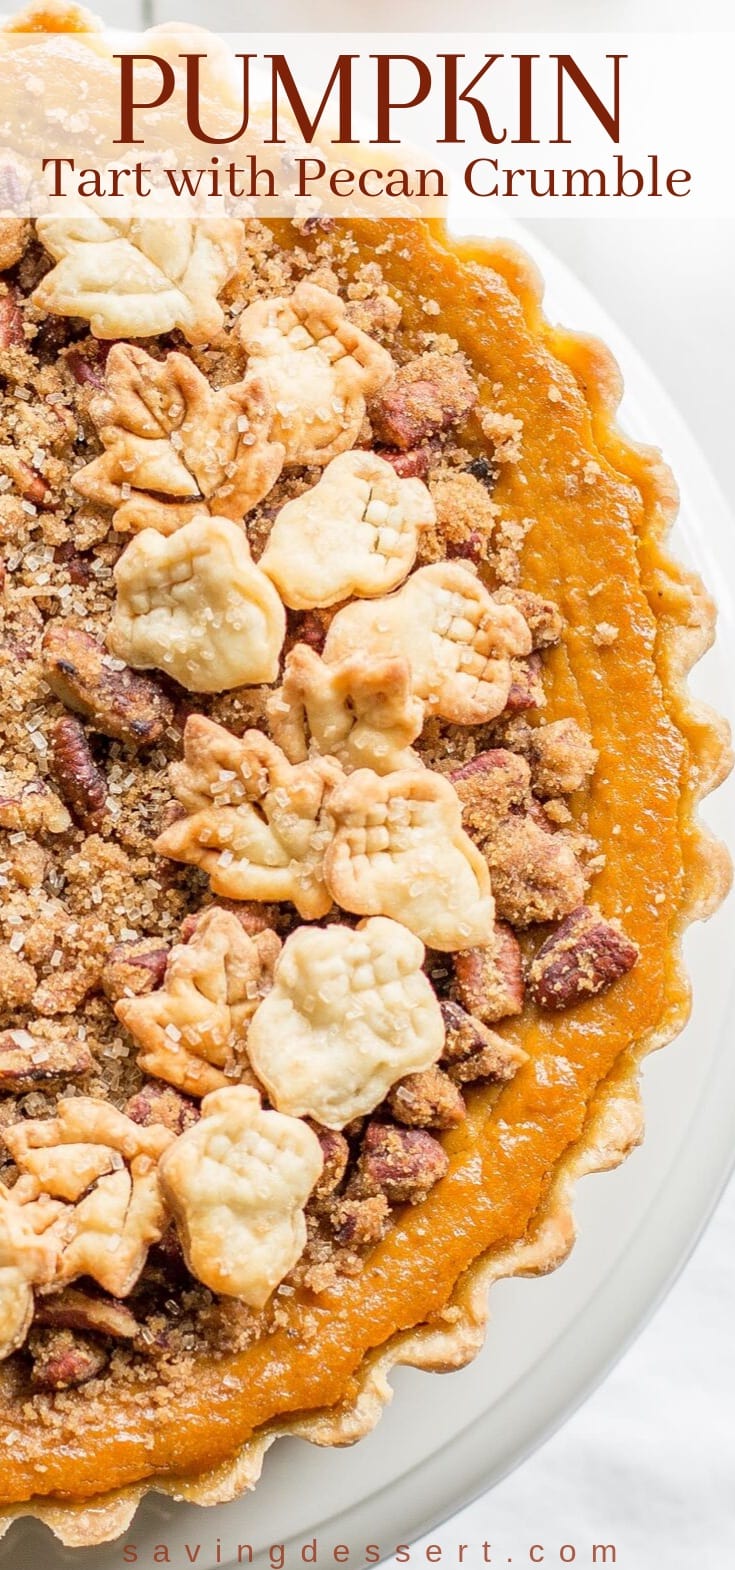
column 647, row 1464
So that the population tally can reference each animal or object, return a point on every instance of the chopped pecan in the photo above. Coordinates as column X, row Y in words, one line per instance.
column 78, row 567
column 133, row 967
column 488, row 982
column 73, row 1309
column 34, row 810
column 401, row 1163
column 16, row 652
column 159, row 1103
column 163, row 1338
column 490, row 786
column 87, row 363
column 11, row 320
column 359, row 1223
column 336, row 1153
column 310, row 627
column 428, row 395
column 466, row 522
column 67, row 984
column 543, row 616
column 471, row 1051
column 62, row 991
column 27, row 481
column 17, row 981
column 427, row 1100
column 561, row 756
column 526, row 687
column 169, row 1249
column 315, row 223
column 80, row 779
column 118, row 702
column 51, row 339
column 411, row 465
column 585, row 955
column 472, row 548
column 63, row 1359
column 32, row 486
column 28, row 1062
column 536, row 873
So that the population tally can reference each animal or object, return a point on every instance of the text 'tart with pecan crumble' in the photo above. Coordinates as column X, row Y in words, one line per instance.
column 348, row 802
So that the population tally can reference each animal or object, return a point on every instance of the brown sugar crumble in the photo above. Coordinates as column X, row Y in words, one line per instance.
column 91, row 913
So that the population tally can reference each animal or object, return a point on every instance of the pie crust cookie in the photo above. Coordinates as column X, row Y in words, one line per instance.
column 175, row 447
column 194, row 605
column 355, row 533
column 332, row 938
column 112, row 272
column 361, row 710
column 460, row 641
column 348, row 1015
column 237, row 1183
column 319, row 369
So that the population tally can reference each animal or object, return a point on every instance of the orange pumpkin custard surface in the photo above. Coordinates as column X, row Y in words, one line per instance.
column 348, row 820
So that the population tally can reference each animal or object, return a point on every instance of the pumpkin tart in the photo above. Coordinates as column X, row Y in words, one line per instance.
column 349, row 821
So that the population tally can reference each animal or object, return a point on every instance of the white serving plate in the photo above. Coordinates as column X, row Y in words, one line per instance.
column 551, row 1341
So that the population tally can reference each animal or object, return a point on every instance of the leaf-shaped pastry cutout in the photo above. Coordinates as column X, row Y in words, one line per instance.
column 103, row 1167
column 237, row 1183
column 360, row 710
column 190, row 1028
column 349, row 1014
column 174, row 446
column 137, row 277
column 26, row 1260
column 256, row 824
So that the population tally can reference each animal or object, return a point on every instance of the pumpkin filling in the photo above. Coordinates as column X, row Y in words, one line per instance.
column 346, row 820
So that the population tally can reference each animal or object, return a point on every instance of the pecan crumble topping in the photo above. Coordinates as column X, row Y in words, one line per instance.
column 267, row 661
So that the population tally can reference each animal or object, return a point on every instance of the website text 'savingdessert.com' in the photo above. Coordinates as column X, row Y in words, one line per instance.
column 450, row 1554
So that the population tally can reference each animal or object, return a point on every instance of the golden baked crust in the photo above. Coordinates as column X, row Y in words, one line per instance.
column 635, row 624
column 613, row 1123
